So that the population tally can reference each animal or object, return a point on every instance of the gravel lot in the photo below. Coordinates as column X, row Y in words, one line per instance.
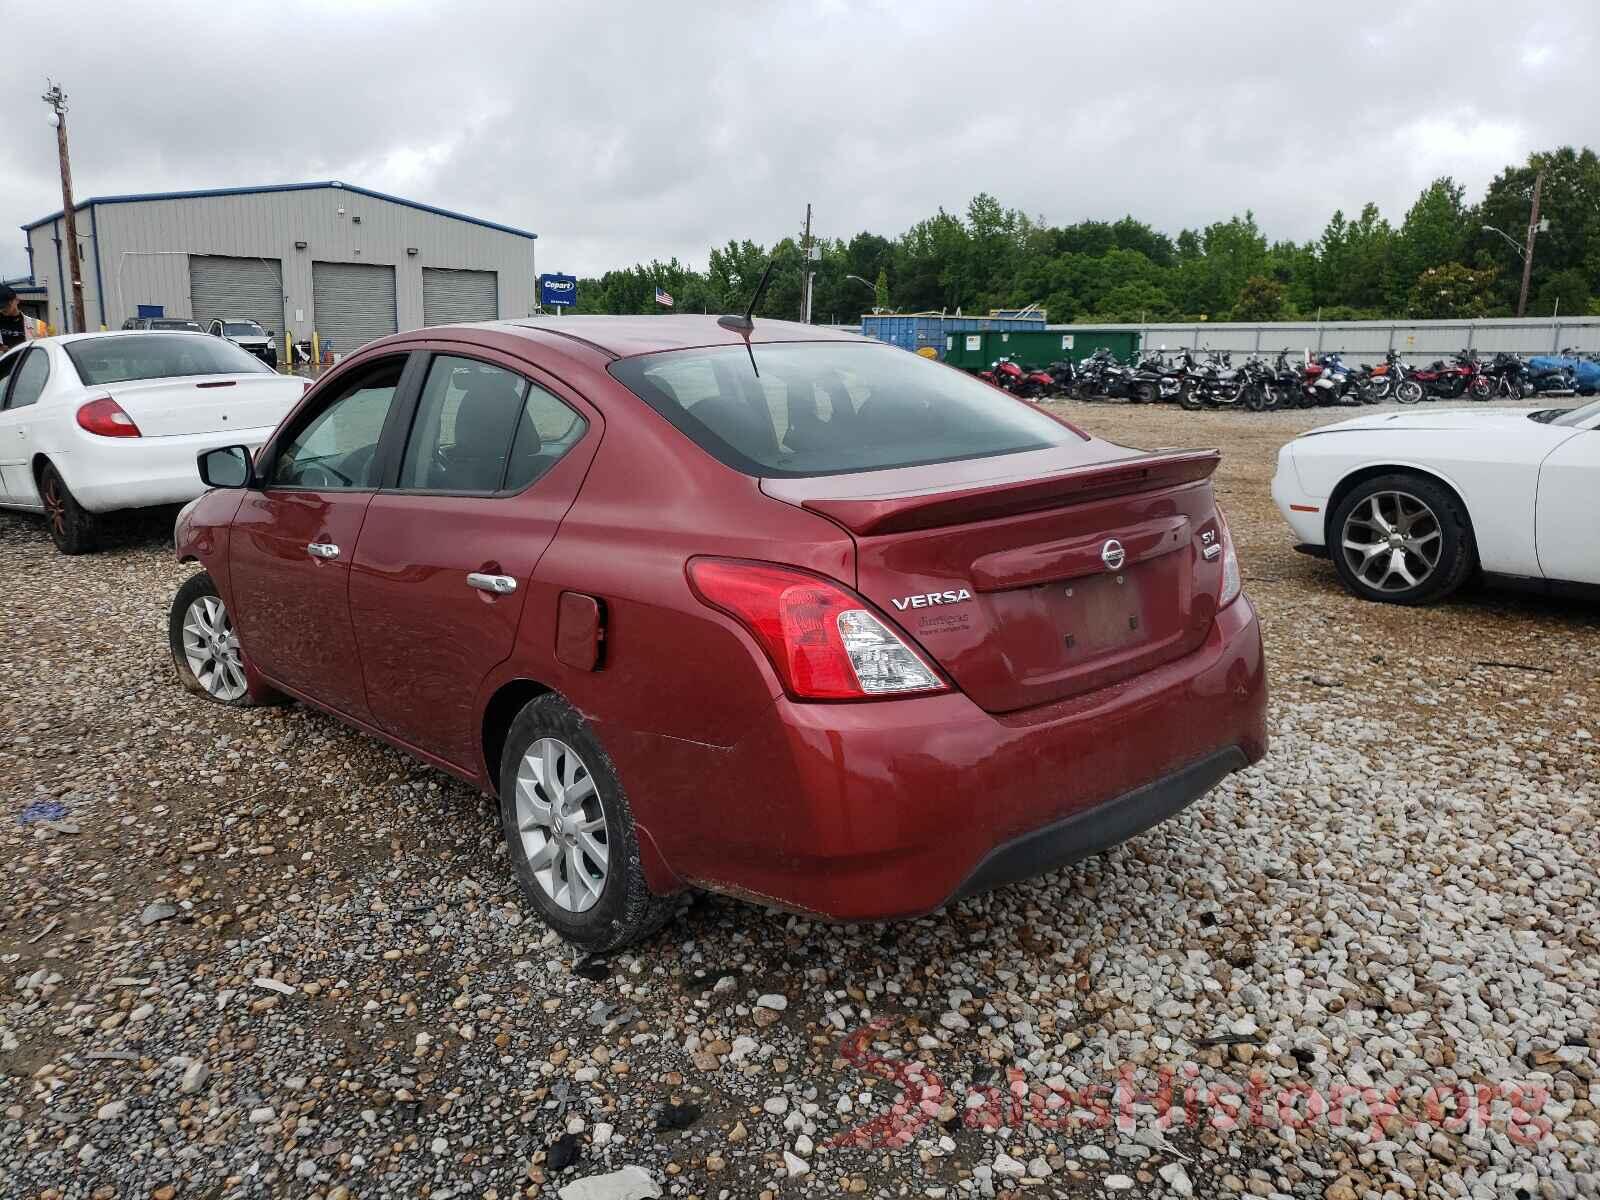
column 251, row 953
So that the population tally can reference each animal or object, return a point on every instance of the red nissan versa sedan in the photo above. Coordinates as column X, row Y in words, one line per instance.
column 787, row 614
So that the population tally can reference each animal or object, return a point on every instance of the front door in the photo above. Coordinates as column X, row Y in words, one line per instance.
column 491, row 464
column 294, row 538
column 1569, row 499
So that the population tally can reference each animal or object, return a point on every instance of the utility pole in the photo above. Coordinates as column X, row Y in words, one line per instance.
column 57, row 100
column 1527, row 253
column 810, row 274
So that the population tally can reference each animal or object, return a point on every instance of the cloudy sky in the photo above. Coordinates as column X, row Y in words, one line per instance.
column 622, row 132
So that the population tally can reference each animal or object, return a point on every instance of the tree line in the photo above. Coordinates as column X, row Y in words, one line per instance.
column 1439, row 262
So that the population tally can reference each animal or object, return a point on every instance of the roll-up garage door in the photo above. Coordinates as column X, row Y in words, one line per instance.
column 236, row 289
column 351, row 304
column 451, row 296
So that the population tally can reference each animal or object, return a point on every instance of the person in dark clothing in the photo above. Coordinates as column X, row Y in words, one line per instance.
column 13, row 325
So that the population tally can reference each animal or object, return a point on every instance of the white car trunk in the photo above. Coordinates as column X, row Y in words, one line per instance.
column 205, row 403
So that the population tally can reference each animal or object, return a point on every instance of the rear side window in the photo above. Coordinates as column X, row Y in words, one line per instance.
column 132, row 356
column 480, row 428
column 829, row 408
column 30, row 378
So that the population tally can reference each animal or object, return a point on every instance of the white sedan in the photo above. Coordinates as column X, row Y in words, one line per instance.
column 95, row 422
column 1409, row 505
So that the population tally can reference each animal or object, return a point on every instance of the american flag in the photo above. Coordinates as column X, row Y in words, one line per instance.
column 663, row 297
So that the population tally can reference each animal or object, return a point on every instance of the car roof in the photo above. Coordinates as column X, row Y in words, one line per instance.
column 624, row 337
column 62, row 339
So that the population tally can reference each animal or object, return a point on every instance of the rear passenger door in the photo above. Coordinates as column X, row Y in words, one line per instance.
column 492, row 461
column 27, row 372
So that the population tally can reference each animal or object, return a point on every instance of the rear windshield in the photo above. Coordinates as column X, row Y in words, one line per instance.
column 828, row 408
column 130, row 356
column 194, row 325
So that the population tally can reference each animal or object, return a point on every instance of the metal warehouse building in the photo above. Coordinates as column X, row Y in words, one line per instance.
column 349, row 263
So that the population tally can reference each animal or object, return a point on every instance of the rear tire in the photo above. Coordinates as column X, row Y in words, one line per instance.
column 562, row 809
column 73, row 528
column 1438, row 549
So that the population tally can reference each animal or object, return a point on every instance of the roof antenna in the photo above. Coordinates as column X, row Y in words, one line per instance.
column 744, row 325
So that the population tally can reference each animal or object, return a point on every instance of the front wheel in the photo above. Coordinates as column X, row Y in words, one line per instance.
column 569, row 831
column 73, row 528
column 1189, row 396
column 1402, row 539
column 1255, row 397
column 1409, row 392
column 205, row 645
column 1482, row 387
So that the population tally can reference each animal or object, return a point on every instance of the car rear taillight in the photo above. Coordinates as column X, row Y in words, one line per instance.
column 1232, row 581
column 825, row 642
column 105, row 418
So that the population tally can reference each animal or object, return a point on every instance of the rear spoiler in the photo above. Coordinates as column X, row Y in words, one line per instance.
column 929, row 510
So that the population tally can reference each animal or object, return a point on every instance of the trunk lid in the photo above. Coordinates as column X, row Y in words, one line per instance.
column 1006, row 572
column 205, row 403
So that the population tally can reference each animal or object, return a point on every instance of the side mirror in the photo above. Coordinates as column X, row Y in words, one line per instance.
column 228, row 467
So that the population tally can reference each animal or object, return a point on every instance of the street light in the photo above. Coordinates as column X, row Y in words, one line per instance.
column 1511, row 241
column 866, row 283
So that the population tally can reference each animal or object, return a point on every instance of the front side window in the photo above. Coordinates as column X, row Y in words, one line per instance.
column 480, row 429
column 829, row 408
column 120, row 358
column 337, row 450
column 31, row 374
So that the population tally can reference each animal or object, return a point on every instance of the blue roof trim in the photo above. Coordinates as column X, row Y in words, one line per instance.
column 288, row 187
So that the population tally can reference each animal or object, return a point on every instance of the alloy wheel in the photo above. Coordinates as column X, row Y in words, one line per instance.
column 55, row 504
column 1392, row 541
column 211, row 648
column 562, row 824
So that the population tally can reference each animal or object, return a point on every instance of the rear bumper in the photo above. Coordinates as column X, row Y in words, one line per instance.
column 892, row 809
column 109, row 474
column 1102, row 827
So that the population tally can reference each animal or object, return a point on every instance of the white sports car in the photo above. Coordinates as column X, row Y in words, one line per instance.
column 1408, row 505
column 95, row 422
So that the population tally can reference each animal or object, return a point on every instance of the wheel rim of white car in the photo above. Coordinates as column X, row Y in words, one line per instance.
column 1392, row 541
column 211, row 648
column 563, row 825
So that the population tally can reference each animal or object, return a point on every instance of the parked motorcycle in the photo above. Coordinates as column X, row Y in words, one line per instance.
column 1213, row 382
column 1561, row 374
column 1004, row 374
column 1102, row 375
column 1504, row 377
column 1329, row 381
column 1448, row 381
column 1062, row 374
column 1155, row 379
column 1260, row 391
column 1392, row 380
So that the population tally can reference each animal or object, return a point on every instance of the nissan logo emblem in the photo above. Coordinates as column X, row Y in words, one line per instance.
column 1113, row 555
